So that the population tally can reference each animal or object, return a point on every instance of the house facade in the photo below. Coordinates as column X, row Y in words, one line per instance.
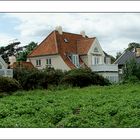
column 66, row 51
column 3, row 69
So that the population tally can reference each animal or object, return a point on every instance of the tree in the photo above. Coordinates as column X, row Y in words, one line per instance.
column 8, row 50
column 22, row 56
column 133, row 45
column 118, row 55
column 112, row 59
column 131, row 70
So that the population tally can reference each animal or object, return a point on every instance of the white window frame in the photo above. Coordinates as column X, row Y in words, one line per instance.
column 96, row 60
column 38, row 62
column 48, row 62
column 108, row 61
column 75, row 60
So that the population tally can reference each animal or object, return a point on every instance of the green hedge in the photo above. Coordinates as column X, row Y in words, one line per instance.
column 34, row 79
column 9, row 85
column 83, row 77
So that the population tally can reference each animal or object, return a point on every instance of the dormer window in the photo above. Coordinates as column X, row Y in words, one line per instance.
column 75, row 59
column 65, row 40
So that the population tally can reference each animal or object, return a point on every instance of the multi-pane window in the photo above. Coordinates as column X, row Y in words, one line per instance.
column 108, row 60
column 96, row 60
column 75, row 60
column 48, row 62
column 38, row 62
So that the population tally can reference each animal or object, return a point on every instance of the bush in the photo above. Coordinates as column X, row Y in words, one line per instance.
column 83, row 77
column 54, row 76
column 34, row 79
column 30, row 78
column 9, row 85
column 131, row 71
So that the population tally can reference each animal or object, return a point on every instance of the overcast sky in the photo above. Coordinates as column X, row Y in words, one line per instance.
column 113, row 30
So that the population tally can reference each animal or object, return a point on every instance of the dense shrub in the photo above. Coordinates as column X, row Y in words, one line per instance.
column 33, row 78
column 53, row 76
column 30, row 78
column 9, row 85
column 131, row 71
column 83, row 77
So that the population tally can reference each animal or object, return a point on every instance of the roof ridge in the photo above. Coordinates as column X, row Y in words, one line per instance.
column 73, row 33
column 86, row 38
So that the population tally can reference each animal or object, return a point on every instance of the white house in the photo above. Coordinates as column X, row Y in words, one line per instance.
column 63, row 50
column 3, row 69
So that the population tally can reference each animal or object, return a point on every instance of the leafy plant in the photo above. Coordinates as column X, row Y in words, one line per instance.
column 9, row 85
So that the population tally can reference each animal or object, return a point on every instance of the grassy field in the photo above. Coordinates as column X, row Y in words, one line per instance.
column 95, row 107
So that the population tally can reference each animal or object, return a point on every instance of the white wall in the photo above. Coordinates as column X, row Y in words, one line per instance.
column 56, row 60
column 91, row 53
column 111, row 76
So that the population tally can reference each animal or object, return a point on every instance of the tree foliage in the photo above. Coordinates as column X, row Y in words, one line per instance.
column 22, row 56
column 133, row 45
column 118, row 54
column 8, row 50
column 132, row 70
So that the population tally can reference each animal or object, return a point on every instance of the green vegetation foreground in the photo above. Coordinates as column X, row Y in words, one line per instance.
column 95, row 106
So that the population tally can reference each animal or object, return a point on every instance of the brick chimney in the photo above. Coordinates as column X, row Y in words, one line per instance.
column 59, row 29
column 83, row 33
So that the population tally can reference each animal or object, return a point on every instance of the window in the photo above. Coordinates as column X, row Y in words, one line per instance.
column 48, row 62
column 96, row 50
column 96, row 60
column 65, row 40
column 108, row 60
column 75, row 60
column 38, row 62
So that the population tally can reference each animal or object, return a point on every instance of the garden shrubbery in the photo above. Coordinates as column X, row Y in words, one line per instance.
column 131, row 72
column 83, row 77
column 34, row 79
column 9, row 85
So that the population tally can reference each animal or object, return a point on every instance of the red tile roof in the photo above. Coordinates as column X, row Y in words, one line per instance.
column 64, row 44
column 46, row 47
column 84, row 45
column 27, row 65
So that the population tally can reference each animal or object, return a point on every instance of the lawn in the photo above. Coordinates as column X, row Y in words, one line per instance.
column 95, row 107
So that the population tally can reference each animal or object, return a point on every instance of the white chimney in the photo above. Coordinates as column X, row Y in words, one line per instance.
column 12, row 59
column 83, row 33
column 59, row 29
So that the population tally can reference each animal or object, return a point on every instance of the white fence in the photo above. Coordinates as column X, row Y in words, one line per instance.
column 105, row 68
column 6, row 72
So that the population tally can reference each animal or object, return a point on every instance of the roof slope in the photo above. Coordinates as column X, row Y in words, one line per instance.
column 126, row 56
column 84, row 45
column 3, row 63
column 46, row 47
